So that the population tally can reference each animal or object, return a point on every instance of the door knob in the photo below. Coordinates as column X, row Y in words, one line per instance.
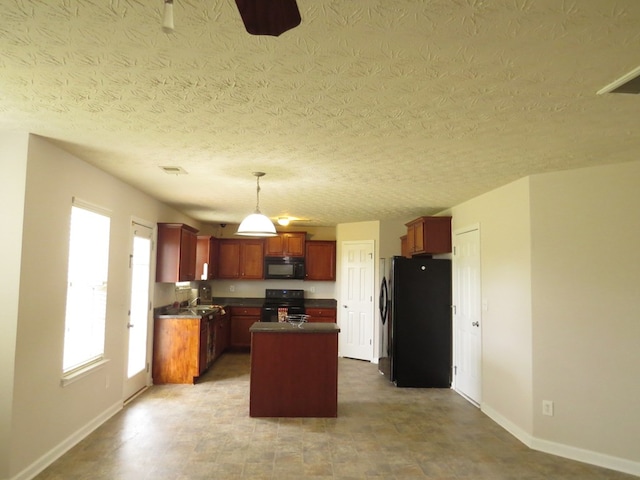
column 475, row 324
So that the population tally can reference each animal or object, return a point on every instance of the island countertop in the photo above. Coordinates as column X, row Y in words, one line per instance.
column 284, row 327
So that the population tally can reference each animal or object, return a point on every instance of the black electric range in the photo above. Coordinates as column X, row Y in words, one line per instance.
column 288, row 302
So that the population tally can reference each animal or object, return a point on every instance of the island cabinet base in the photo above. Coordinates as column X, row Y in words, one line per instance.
column 294, row 374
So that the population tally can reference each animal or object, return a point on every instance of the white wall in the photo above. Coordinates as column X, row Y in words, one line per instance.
column 586, row 308
column 503, row 217
column 46, row 415
column 561, row 278
column 13, row 163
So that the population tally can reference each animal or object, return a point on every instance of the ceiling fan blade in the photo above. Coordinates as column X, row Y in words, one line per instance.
column 269, row 17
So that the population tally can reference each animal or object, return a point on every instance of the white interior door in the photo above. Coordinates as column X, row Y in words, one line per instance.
column 140, row 314
column 355, row 316
column 467, row 315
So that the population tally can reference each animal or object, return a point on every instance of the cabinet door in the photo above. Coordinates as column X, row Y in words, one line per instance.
column 429, row 235
column 289, row 244
column 206, row 252
column 326, row 315
column 187, row 255
column 404, row 249
column 320, row 260
column 252, row 259
column 294, row 244
column 229, row 259
column 203, row 346
column 225, row 332
column 274, row 246
column 175, row 259
column 240, row 335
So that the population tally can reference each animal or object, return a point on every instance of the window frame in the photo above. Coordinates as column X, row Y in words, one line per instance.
column 93, row 363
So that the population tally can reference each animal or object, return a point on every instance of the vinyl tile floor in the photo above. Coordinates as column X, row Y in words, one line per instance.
column 203, row 431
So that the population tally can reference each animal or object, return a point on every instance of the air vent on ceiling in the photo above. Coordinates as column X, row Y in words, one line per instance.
column 174, row 170
column 629, row 83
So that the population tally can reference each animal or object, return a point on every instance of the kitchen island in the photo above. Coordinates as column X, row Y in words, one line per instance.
column 294, row 370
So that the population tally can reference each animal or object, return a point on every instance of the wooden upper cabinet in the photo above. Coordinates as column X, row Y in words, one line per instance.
column 241, row 259
column 288, row 244
column 206, row 252
column 176, row 254
column 428, row 235
column 320, row 260
column 404, row 250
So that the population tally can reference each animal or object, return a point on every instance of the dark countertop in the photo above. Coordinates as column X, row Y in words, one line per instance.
column 169, row 311
column 277, row 327
column 197, row 311
column 258, row 302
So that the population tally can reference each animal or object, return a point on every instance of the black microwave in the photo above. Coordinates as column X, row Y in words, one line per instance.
column 284, row 268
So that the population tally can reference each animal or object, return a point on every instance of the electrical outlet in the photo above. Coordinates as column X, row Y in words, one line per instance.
column 232, row 288
column 547, row 408
column 312, row 289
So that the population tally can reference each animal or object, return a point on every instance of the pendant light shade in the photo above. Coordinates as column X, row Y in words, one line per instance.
column 257, row 224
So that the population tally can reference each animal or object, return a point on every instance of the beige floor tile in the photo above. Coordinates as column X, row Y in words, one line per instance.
column 186, row 432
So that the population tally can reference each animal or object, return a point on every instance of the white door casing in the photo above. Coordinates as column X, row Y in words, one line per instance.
column 467, row 314
column 355, row 310
column 140, row 316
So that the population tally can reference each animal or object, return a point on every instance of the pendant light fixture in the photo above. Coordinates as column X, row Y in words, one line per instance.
column 257, row 224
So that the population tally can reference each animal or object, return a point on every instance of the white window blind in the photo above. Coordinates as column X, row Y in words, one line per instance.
column 86, row 286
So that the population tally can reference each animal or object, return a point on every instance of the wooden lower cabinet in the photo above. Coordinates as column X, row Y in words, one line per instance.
column 326, row 315
column 241, row 320
column 184, row 348
column 180, row 347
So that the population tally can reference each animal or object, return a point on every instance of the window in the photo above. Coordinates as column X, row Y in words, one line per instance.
column 86, row 287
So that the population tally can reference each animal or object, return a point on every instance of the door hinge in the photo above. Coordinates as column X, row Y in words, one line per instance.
column 454, row 250
column 455, row 369
column 147, row 367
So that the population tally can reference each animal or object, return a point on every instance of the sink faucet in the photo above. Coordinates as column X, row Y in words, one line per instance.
column 194, row 302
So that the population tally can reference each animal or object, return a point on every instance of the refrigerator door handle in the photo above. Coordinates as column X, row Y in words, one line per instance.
column 384, row 299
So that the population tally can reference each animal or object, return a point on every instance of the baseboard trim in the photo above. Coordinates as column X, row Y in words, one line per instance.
column 562, row 450
column 67, row 444
column 587, row 456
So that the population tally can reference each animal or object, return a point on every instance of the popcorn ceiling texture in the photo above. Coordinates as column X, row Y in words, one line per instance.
column 370, row 109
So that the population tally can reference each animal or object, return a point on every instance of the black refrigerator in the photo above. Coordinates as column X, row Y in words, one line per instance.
column 419, row 322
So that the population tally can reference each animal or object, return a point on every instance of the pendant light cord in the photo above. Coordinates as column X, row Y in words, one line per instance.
column 257, row 194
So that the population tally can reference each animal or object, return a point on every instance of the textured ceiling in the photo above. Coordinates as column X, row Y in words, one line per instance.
column 370, row 109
